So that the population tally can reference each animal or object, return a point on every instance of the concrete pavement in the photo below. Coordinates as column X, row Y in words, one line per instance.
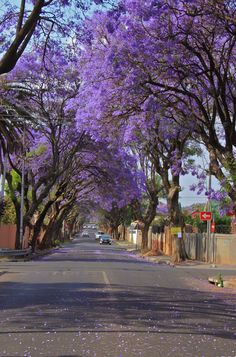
column 229, row 280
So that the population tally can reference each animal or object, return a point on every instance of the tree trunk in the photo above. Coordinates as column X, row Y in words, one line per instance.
column 56, row 230
column 54, row 227
column 174, row 206
column 180, row 252
column 115, row 232
column 176, row 219
column 73, row 226
column 17, row 241
column 46, row 242
column 38, row 225
column 16, row 206
column 144, row 229
column 124, row 232
column 146, row 219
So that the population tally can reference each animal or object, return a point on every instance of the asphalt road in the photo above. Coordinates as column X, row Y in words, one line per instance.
column 92, row 300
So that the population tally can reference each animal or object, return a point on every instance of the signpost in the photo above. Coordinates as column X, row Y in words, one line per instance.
column 213, row 242
column 205, row 216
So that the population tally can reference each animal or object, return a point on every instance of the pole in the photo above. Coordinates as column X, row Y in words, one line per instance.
column 22, row 192
column 213, row 248
column 3, row 177
column 213, row 240
column 209, row 246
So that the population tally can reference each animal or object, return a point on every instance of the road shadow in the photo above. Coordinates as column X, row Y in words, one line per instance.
column 103, row 308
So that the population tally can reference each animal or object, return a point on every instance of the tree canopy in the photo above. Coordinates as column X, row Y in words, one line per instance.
column 113, row 100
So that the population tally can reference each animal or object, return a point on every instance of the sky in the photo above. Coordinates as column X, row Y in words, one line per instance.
column 188, row 197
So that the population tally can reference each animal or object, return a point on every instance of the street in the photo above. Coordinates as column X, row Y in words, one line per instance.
column 90, row 300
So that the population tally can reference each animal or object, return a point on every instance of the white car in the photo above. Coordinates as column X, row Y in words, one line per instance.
column 98, row 235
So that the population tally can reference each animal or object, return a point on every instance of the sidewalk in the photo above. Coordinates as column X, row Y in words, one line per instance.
column 132, row 248
column 25, row 258
column 229, row 281
column 167, row 259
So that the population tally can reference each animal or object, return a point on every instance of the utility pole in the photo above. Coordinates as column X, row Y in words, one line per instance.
column 22, row 190
column 3, row 177
column 209, row 245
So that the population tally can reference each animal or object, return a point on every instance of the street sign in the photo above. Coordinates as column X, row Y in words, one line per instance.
column 206, row 216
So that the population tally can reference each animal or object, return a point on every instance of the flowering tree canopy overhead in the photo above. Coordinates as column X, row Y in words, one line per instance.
column 38, row 19
column 148, row 77
column 62, row 164
column 168, row 66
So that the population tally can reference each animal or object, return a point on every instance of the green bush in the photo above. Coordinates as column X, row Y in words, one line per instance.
column 9, row 214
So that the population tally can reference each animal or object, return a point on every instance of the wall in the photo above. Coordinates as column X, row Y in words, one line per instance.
column 135, row 236
column 162, row 242
column 195, row 245
column 225, row 248
column 7, row 236
column 222, row 247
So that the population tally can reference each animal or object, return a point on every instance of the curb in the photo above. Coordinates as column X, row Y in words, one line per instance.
column 158, row 260
column 152, row 259
column 43, row 253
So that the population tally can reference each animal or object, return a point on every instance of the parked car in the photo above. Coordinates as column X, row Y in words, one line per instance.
column 105, row 239
column 85, row 234
column 98, row 235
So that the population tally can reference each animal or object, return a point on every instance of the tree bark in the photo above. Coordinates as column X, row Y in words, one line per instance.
column 180, row 252
column 144, row 230
column 17, row 208
column 146, row 219
column 54, row 227
column 115, row 232
column 17, row 241
column 124, row 232
column 22, row 38
column 176, row 219
column 38, row 225
column 48, row 236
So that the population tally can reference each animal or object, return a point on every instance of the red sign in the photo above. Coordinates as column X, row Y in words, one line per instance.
column 206, row 216
column 212, row 227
